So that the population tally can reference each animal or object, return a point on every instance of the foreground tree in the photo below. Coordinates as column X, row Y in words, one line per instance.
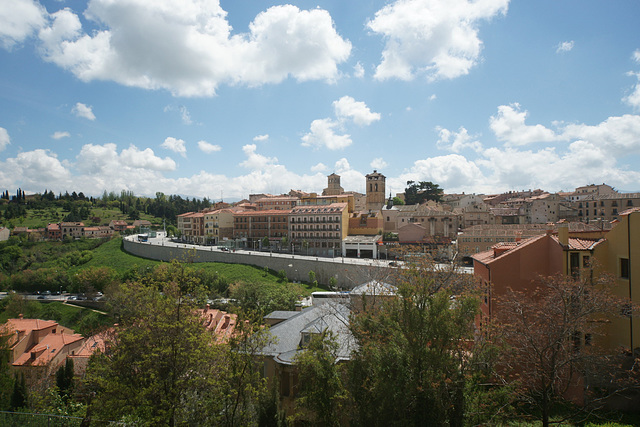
column 552, row 335
column 323, row 393
column 416, row 353
column 162, row 367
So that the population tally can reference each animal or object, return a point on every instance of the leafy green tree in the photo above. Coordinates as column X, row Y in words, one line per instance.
column 397, row 201
column 20, row 395
column 163, row 367
column 64, row 378
column 413, row 361
column 322, row 391
column 265, row 243
column 417, row 193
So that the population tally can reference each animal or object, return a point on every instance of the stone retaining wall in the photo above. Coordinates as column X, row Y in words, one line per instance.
column 297, row 267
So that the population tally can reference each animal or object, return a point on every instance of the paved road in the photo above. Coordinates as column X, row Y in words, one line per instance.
column 162, row 240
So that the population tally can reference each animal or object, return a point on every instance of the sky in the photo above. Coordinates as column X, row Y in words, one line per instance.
column 226, row 98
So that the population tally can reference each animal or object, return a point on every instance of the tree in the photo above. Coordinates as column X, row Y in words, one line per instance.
column 417, row 193
column 162, row 367
column 416, row 353
column 397, row 201
column 322, row 391
column 64, row 378
column 19, row 396
column 551, row 335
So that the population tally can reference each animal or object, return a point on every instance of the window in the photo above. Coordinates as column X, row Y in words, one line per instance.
column 624, row 268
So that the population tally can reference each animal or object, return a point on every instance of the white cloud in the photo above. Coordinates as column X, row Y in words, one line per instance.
column 438, row 38
column 34, row 171
column 20, row 19
column 185, row 116
column 358, row 71
column 636, row 56
column 322, row 135
column 254, row 160
column 320, row 167
column 450, row 172
column 84, row 111
column 348, row 108
column 378, row 163
column 633, row 99
column 4, row 138
column 186, row 46
column 509, row 126
column 564, row 47
column 208, row 148
column 616, row 136
column 433, row 97
column 261, row 138
column 175, row 145
column 456, row 141
column 60, row 135
column 103, row 160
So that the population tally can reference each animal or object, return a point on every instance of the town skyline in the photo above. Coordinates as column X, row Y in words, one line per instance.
column 226, row 99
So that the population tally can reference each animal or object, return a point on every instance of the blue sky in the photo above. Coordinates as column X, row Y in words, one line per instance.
column 223, row 99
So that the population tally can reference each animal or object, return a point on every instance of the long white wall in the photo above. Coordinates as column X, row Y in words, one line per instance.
column 297, row 268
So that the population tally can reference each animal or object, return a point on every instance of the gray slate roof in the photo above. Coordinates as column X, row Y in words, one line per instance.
column 288, row 334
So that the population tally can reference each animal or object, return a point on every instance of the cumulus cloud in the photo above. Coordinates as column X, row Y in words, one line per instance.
column 358, row 71
column 348, row 108
column 208, row 148
column 320, row 167
column 260, row 138
column 636, row 56
column 456, row 141
column 83, row 111
column 20, row 19
column 509, row 126
column 103, row 160
column 186, row 46
column 378, row 163
column 322, row 135
column 175, row 145
column 254, row 160
column 60, row 135
column 4, row 139
column 617, row 136
column 438, row 38
column 564, row 47
column 633, row 99
column 35, row 170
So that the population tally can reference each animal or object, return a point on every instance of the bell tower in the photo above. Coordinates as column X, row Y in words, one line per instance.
column 375, row 191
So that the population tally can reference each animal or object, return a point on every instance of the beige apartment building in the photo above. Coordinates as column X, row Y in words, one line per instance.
column 606, row 207
column 252, row 227
column 191, row 227
column 218, row 225
column 319, row 229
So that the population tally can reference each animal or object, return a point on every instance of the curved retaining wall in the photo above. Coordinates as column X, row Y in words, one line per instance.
column 297, row 268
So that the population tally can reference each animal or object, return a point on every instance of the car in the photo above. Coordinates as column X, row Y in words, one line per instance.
column 41, row 297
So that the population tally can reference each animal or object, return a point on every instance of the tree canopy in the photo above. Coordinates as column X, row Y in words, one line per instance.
column 420, row 192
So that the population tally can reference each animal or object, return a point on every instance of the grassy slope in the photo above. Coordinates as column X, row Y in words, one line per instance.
column 110, row 254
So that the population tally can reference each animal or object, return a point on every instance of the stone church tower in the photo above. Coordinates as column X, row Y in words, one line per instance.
column 375, row 191
column 333, row 187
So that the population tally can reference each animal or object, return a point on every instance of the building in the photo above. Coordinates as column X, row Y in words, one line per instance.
column 4, row 234
column 53, row 232
column 37, row 348
column 218, row 225
column 118, row 225
column 519, row 265
column 319, row 229
column 253, row 226
column 292, row 332
column 605, row 207
column 376, row 196
column 333, row 186
column 191, row 227
column 276, row 203
column 481, row 238
column 72, row 229
column 366, row 223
